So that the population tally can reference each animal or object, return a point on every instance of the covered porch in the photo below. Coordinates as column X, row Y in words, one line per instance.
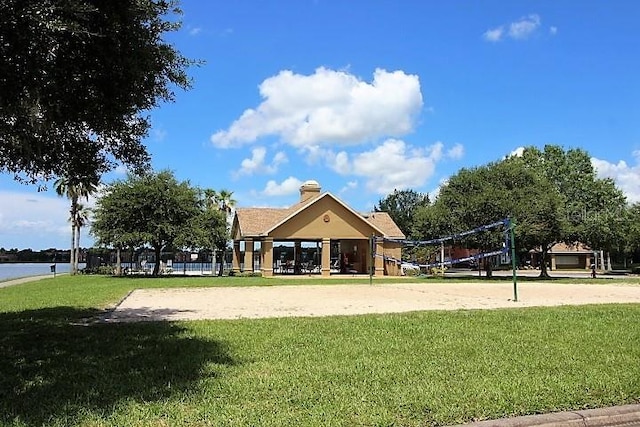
column 322, row 256
column 319, row 235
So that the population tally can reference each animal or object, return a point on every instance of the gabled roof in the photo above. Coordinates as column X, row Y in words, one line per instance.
column 384, row 222
column 258, row 222
column 563, row 248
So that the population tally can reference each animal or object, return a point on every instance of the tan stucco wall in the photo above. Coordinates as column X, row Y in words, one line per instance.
column 309, row 224
column 393, row 250
column 583, row 262
column 343, row 225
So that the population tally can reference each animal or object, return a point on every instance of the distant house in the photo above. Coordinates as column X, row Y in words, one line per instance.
column 563, row 256
column 568, row 257
column 319, row 235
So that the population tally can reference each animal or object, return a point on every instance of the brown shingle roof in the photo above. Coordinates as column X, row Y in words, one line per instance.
column 258, row 221
column 384, row 222
column 254, row 221
column 564, row 248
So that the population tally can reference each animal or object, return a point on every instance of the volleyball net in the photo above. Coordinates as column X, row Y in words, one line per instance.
column 503, row 226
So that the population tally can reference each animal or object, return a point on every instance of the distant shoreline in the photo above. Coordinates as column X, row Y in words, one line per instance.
column 34, row 262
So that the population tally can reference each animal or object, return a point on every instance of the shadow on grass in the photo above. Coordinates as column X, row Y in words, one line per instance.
column 54, row 367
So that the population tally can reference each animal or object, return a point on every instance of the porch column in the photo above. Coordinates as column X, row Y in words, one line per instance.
column 379, row 259
column 267, row 257
column 553, row 262
column 297, row 255
column 235, row 263
column 326, row 257
column 248, row 255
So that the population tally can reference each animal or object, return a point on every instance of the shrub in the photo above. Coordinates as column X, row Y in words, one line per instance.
column 412, row 272
column 438, row 270
column 233, row 273
column 104, row 270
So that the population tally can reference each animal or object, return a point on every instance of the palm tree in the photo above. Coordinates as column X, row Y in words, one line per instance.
column 226, row 204
column 82, row 218
column 223, row 201
column 74, row 189
column 210, row 198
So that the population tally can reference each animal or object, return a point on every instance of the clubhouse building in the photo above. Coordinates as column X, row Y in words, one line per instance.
column 318, row 235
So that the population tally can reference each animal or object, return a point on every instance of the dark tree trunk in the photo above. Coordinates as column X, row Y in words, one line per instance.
column 544, row 273
column 221, row 269
column 488, row 267
column 156, row 266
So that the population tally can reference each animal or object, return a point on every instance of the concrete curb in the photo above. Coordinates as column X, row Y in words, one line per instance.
column 618, row 416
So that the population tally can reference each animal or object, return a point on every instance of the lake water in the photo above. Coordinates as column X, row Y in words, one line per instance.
column 14, row 271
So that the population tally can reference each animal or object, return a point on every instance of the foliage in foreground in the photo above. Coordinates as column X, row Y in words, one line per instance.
column 428, row 368
column 75, row 78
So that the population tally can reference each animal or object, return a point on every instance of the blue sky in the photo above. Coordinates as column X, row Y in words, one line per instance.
column 366, row 97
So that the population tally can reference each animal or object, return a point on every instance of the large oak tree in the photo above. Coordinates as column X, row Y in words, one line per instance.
column 489, row 193
column 593, row 206
column 76, row 78
column 553, row 193
column 153, row 209
column 401, row 205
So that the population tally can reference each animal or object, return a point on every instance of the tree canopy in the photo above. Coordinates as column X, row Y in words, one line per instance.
column 553, row 194
column 489, row 193
column 632, row 242
column 212, row 231
column 153, row 209
column 401, row 205
column 593, row 206
column 75, row 78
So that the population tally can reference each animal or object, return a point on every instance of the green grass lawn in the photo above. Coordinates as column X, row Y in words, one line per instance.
column 414, row 369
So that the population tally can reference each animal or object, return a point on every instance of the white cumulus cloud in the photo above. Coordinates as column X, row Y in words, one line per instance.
column 36, row 220
column 287, row 187
column 518, row 152
column 328, row 107
column 391, row 165
column 494, row 35
column 521, row 29
column 525, row 27
column 626, row 177
column 351, row 185
column 257, row 165
column 456, row 152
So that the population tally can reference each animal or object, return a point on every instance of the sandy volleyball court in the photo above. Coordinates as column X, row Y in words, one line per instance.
column 328, row 300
